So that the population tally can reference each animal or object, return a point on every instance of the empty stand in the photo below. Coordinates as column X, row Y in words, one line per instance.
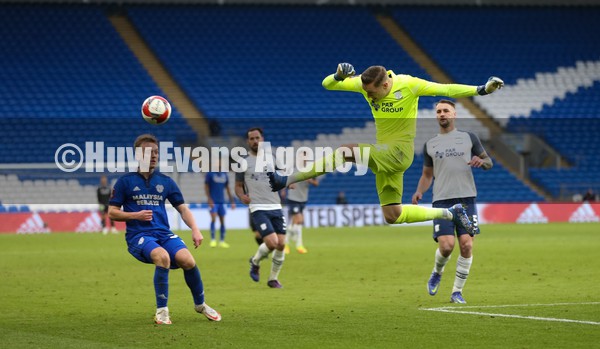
column 72, row 79
column 263, row 66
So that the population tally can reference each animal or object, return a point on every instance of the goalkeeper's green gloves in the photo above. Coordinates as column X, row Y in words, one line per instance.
column 344, row 70
column 490, row 86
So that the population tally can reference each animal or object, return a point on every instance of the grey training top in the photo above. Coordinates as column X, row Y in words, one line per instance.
column 299, row 193
column 449, row 154
column 256, row 183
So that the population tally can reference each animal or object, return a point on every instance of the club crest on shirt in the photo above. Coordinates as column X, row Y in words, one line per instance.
column 375, row 105
column 159, row 188
column 398, row 95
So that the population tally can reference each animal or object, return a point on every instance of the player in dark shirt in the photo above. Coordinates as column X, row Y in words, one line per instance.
column 103, row 193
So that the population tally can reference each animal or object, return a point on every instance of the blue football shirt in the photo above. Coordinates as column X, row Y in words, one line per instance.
column 217, row 182
column 134, row 193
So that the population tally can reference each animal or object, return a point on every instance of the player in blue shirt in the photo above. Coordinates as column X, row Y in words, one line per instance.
column 215, row 183
column 139, row 199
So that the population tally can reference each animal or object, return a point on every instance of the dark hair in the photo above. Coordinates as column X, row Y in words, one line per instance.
column 145, row 138
column 374, row 74
column 446, row 101
column 260, row 130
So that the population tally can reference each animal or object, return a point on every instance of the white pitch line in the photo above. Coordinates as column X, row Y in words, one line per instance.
column 511, row 305
column 457, row 310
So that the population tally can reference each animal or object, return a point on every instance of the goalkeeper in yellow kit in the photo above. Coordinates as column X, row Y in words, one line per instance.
column 394, row 101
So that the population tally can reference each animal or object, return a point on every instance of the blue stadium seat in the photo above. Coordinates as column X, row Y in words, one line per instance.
column 273, row 59
column 570, row 125
column 77, row 87
column 573, row 135
column 274, row 80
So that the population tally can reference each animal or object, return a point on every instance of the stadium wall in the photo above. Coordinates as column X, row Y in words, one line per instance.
column 316, row 216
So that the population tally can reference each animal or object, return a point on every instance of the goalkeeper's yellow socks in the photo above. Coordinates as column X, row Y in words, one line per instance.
column 414, row 213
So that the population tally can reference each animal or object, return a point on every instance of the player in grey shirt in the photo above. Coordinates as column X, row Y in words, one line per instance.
column 449, row 158
column 297, row 196
column 253, row 189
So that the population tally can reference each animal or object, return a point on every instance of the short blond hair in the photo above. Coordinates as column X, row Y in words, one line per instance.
column 145, row 138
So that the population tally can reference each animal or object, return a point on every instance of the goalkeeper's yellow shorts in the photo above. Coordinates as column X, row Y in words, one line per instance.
column 389, row 162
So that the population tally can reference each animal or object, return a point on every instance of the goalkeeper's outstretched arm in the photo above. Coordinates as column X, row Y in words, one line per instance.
column 421, row 87
column 342, row 80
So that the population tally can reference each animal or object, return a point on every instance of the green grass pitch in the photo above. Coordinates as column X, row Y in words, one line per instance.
column 356, row 288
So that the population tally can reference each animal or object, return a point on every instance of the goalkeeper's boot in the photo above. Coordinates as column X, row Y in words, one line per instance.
column 460, row 218
column 301, row 249
column 254, row 271
column 434, row 283
column 162, row 316
column 274, row 284
column 223, row 244
column 457, row 297
column 277, row 181
column 209, row 312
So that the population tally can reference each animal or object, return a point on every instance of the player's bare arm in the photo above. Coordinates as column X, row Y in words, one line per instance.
column 424, row 184
column 188, row 219
column 231, row 200
column 210, row 201
column 483, row 161
column 116, row 214
column 240, row 193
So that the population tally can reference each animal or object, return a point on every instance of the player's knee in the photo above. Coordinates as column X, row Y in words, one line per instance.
column 445, row 247
column 160, row 257
column 271, row 244
column 349, row 145
column 280, row 245
column 466, row 248
column 390, row 217
column 348, row 151
column 184, row 259
column 187, row 264
column 445, row 250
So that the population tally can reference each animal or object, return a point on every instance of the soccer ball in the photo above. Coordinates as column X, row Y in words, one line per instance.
column 156, row 110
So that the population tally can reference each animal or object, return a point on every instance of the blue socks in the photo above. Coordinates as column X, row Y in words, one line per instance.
column 161, row 286
column 192, row 279
column 194, row 282
column 212, row 230
column 222, row 232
